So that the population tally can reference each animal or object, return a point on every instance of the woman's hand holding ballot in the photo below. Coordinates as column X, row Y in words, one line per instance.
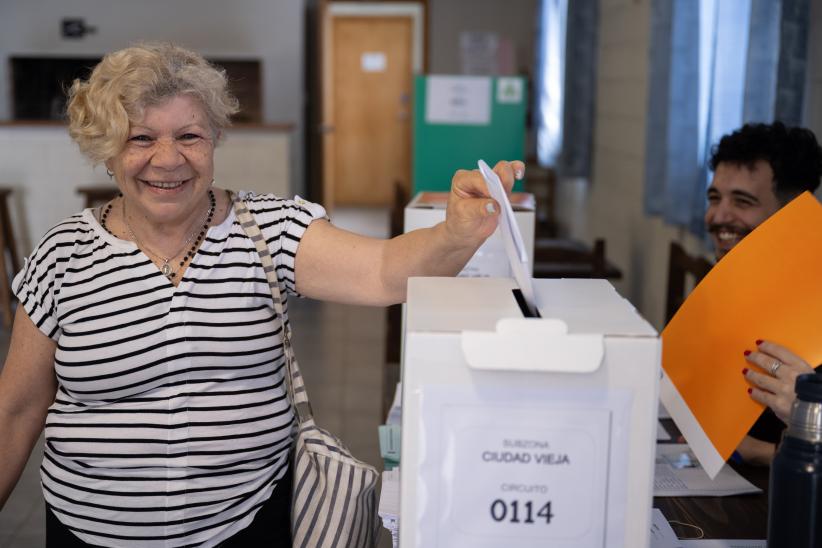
column 774, row 379
column 339, row 266
column 472, row 214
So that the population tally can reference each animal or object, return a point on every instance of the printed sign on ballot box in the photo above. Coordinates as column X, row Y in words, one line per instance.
column 513, row 471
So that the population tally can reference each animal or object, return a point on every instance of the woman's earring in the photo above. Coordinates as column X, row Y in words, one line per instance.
column 109, row 173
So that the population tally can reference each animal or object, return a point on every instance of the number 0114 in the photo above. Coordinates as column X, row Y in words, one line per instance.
column 517, row 511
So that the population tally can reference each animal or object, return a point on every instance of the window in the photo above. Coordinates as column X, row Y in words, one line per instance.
column 714, row 67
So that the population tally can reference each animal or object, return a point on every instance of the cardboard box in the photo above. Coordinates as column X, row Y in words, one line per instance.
column 526, row 432
column 428, row 209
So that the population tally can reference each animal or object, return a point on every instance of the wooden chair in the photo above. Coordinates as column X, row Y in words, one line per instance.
column 680, row 267
column 564, row 258
column 541, row 182
column 10, row 268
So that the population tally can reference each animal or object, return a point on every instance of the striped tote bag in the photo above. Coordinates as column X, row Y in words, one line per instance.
column 334, row 498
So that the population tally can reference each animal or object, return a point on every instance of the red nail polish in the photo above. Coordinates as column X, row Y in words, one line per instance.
column 747, row 352
column 750, row 390
column 745, row 371
column 759, row 341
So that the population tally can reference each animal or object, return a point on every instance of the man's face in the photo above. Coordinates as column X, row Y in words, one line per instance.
column 739, row 199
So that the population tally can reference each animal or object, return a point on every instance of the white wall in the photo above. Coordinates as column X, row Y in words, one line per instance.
column 44, row 167
column 269, row 30
column 611, row 205
column 515, row 20
column 813, row 99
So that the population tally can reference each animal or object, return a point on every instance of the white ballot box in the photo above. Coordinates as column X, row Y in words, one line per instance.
column 526, row 432
column 428, row 209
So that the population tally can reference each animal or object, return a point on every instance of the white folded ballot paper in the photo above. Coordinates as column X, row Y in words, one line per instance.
column 514, row 246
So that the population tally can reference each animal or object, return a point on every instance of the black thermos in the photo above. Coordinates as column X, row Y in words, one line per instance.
column 795, row 492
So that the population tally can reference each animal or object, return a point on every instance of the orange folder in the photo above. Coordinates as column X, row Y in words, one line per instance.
column 769, row 286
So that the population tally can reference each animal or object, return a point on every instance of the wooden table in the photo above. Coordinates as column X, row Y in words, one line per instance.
column 733, row 517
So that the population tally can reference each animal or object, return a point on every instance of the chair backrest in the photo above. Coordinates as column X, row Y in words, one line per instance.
column 541, row 181
column 564, row 258
column 680, row 266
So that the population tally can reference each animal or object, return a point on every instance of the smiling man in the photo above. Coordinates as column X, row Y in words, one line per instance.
column 757, row 170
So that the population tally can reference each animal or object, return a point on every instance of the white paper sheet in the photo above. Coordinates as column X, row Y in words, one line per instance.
column 662, row 535
column 373, row 61
column 514, row 245
column 535, row 470
column 662, row 413
column 712, row 462
column 722, row 543
column 679, row 474
column 462, row 100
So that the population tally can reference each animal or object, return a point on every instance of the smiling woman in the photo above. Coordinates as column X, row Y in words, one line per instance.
column 165, row 172
column 148, row 342
column 152, row 114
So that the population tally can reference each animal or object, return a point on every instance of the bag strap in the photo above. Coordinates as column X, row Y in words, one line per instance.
column 295, row 386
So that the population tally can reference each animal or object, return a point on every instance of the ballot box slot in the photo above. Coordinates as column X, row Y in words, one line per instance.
column 522, row 306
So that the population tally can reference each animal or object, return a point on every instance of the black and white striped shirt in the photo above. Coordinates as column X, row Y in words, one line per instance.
column 171, row 426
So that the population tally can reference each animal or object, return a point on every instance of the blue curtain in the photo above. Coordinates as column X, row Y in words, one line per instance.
column 714, row 65
column 582, row 28
column 550, row 79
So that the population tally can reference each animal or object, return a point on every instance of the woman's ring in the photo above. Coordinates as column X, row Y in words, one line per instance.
column 775, row 367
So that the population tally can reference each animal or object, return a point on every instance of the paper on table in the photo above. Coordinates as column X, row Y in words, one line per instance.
column 514, row 246
column 678, row 474
column 662, row 536
column 722, row 543
column 766, row 287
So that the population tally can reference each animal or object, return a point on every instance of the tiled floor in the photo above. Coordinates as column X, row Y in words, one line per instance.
column 340, row 349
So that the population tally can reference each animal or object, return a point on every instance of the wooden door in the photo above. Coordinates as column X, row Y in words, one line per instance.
column 368, row 142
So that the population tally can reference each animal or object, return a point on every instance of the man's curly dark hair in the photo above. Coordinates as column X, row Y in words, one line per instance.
column 793, row 154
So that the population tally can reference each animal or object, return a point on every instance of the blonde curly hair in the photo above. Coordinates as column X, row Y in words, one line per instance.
column 101, row 109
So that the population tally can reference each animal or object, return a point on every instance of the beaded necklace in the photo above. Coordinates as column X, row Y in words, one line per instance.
column 198, row 232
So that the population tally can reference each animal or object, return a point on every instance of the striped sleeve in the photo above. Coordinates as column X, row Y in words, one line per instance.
column 37, row 285
column 283, row 223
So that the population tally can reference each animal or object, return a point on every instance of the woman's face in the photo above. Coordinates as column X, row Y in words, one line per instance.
column 167, row 165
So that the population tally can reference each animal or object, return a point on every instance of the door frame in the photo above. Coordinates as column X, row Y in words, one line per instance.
column 329, row 11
